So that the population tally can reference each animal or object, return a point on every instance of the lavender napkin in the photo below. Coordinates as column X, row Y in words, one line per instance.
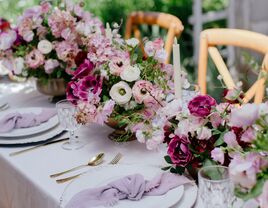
column 132, row 187
column 17, row 120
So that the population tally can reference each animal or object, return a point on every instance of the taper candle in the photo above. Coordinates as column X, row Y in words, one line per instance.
column 177, row 69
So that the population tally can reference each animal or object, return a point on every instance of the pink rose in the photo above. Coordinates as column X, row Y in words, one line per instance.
column 34, row 59
column 50, row 65
column 201, row 105
column 144, row 92
column 230, row 139
column 179, row 151
column 263, row 198
column 218, row 155
column 244, row 116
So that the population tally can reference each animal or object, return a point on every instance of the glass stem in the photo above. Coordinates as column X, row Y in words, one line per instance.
column 72, row 137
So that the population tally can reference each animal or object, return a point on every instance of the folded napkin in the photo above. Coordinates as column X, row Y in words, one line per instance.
column 132, row 187
column 18, row 120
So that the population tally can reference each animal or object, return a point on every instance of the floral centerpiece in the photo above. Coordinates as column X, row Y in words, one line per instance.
column 208, row 133
column 48, row 42
column 119, row 86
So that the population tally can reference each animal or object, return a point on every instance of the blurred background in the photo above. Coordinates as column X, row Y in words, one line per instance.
column 195, row 15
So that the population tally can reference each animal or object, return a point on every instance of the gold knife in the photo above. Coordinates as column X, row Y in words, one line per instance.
column 38, row 146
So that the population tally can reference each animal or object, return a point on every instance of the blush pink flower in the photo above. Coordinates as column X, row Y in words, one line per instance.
column 152, row 46
column 119, row 63
column 59, row 20
column 7, row 39
column 244, row 116
column 263, row 198
column 50, row 65
column 249, row 135
column 66, row 51
column 218, row 155
column 104, row 112
column 230, row 139
column 34, row 59
column 204, row 133
column 243, row 170
column 216, row 119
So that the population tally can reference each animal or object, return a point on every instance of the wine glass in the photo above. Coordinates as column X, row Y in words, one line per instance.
column 67, row 116
column 215, row 187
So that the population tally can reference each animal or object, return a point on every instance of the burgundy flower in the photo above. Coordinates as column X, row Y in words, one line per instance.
column 201, row 105
column 179, row 151
column 84, row 69
column 71, row 88
column 80, row 58
column 231, row 96
column 4, row 24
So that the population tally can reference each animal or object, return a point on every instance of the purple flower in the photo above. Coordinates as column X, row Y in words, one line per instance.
column 179, row 151
column 83, row 70
column 201, row 105
column 71, row 88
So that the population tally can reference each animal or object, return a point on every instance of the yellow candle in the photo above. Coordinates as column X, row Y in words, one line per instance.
column 177, row 70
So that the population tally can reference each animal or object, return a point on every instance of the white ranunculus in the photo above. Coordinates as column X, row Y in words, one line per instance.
column 45, row 47
column 133, row 42
column 131, row 73
column 121, row 93
column 19, row 65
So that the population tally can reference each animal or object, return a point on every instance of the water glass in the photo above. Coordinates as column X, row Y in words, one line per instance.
column 67, row 116
column 215, row 187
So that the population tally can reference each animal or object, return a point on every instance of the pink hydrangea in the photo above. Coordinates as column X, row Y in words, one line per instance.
column 34, row 59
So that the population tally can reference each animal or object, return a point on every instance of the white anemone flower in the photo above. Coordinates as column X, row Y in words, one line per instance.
column 121, row 93
column 132, row 42
column 131, row 73
column 45, row 47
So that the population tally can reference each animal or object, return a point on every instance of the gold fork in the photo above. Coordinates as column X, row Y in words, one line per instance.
column 114, row 161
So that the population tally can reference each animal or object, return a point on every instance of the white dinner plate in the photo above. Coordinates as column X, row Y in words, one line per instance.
column 189, row 197
column 52, row 122
column 29, row 140
column 102, row 175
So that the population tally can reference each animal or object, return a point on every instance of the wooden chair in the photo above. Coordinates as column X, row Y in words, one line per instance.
column 166, row 21
column 241, row 38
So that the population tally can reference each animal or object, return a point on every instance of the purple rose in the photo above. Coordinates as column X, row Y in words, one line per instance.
column 201, row 105
column 84, row 69
column 179, row 151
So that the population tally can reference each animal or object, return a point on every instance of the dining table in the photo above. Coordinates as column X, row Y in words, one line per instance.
column 24, row 178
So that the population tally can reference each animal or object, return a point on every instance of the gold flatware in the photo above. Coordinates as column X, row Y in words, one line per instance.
column 38, row 146
column 96, row 160
column 114, row 161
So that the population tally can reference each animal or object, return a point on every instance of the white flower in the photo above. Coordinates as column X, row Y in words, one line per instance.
column 133, row 42
column 132, row 104
column 19, row 65
column 203, row 133
column 121, row 93
column 131, row 73
column 45, row 47
column 140, row 136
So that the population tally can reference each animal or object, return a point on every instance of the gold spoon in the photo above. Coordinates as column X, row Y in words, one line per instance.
column 96, row 160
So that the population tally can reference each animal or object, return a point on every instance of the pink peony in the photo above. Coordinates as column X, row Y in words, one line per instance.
column 179, row 151
column 230, row 139
column 201, row 105
column 263, row 198
column 50, row 65
column 218, row 155
column 34, row 59
column 244, row 116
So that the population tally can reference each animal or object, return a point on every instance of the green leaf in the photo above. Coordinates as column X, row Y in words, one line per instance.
column 220, row 140
column 166, row 168
column 253, row 193
column 216, row 132
column 168, row 159
column 180, row 170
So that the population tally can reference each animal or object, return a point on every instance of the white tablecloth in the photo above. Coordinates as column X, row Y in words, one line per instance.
column 24, row 179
